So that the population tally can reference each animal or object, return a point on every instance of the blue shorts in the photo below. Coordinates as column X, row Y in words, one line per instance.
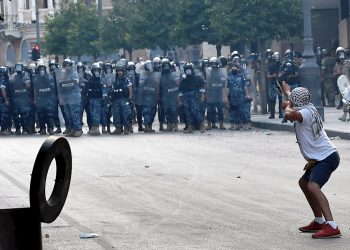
column 322, row 170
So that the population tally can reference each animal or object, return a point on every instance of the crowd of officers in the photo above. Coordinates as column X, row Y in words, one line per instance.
column 332, row 65
column 120, row 93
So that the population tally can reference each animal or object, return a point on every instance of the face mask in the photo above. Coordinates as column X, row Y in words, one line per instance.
column 132, row 72
column 97, row 74
column 63, row 70
column 68, row 68
column 234, row 71
column 42, row 72
column 188, row 72
column 109, row 71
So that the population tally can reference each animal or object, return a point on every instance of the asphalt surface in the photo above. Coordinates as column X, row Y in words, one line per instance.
column 217, row 190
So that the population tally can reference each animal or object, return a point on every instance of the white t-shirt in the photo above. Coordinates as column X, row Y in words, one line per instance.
column 313, row 141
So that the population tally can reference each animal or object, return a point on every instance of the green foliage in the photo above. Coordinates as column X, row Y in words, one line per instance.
column 133, row 24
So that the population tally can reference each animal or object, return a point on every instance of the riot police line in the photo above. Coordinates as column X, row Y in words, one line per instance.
column 114, row 95
column 334, row 74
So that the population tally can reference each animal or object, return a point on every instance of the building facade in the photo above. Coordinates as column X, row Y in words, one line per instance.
column 18, row 27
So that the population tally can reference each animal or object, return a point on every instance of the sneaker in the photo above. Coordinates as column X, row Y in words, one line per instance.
column 327, row 232
column 313, row 227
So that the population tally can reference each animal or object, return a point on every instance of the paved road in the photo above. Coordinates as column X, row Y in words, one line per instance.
column 219, row 190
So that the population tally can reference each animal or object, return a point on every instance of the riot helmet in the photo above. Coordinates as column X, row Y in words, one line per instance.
column 52, row 65
column 276, row 56
column 67, row 64
column 205, row 63
column 80, row 67
column 3, row 72
column 108, row 68
column 188, row 69
column 19, row 68
column 119, row 69
column 268, row 54
column 123, row 62
column 41, row 69
column 157, row 63
column 288, row 55
column 234, row 54
column 214, row 62
column 236, row 60
column 165, row 65
column 131, row 66
column 96, row 69
column 32, row 67
column 340, row 53
column 148, row 66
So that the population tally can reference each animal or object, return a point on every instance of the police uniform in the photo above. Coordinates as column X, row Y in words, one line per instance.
column 95, row 92
column 329, row 81
column 120, row 103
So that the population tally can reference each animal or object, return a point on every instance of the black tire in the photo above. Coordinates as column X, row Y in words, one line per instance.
column 53, row 148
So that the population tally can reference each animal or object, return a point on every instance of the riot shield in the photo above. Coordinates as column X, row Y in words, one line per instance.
column 68, row 86
column 43, row 90
column 215, row 84
column 21, row 97
column 169, row 89
column 149, row 85
column 344, row 88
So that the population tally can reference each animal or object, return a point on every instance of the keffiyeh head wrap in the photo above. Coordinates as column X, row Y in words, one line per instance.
column 300, row 97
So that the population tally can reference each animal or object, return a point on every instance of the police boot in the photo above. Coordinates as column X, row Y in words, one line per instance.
column 117, row 131
column 71, row 133
column 58, row 131
column 77, row 133
column 161, row 127
column 104, row 131
column 175, row 127
column 18, row 132
column 232, row 126
column 202, row 127
column 42, row 131
column 214, row 126
column 272, row 109
column 209, row 127
column 126, row 130
column 140, row 129
column 96, row 131
column 169, row 127
column 188, row 130
column 131, row 129
column 50, row 131
column 247, row 126
column 108, row 129
column 67, row 131
column 222, row 127
column 343, row 117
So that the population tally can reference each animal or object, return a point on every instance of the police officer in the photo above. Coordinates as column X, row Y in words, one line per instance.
column 69, row 94
column 272, row 76
column 120, row 97
column 327, row 78
column 83, row 78
column 289, row 70
column 52, row 67
column 238, row 96
column 44, row 99
column 169, row 95
column 214, row 95
column 20, row 95
column 157, row 67
column 106, row 111
column 342, row 67
column 4, row 102
column 191, row 94
column 137, row 93
column 96, row 91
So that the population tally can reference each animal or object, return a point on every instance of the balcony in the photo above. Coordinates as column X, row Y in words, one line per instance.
column 9, row 26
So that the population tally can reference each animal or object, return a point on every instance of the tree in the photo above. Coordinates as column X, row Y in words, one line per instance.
column 83, row 34
column 72, row 31
column 233, row 21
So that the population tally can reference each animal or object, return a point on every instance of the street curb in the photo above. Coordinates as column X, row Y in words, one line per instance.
column 288, row 127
